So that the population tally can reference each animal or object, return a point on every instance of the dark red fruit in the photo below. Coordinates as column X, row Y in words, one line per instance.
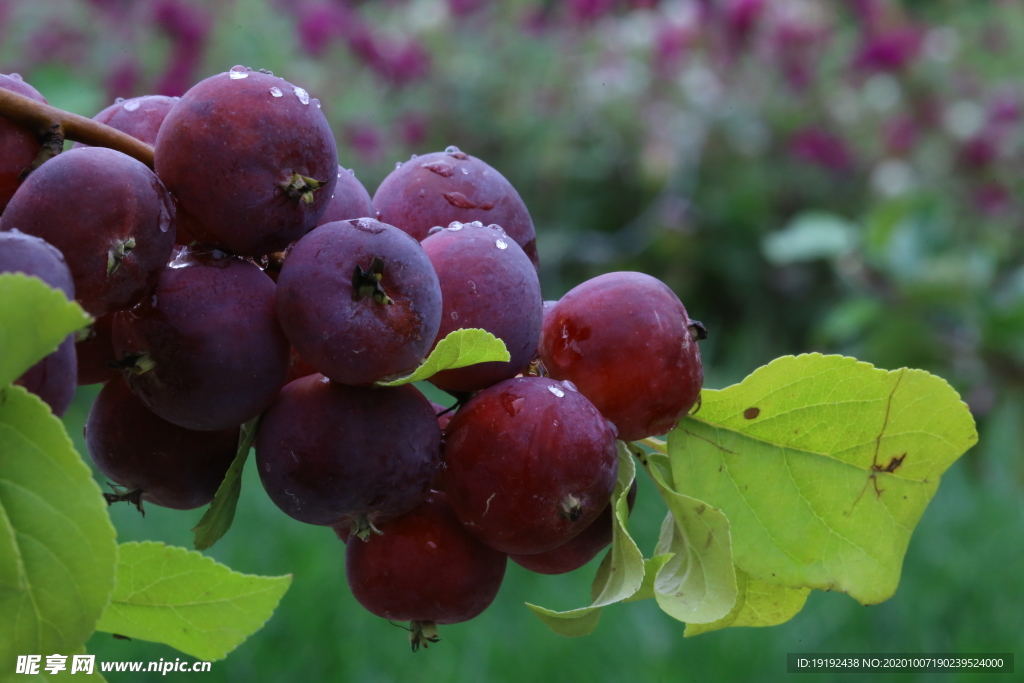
column 52, row 378
column 96, row 357
column 350, row 200
column 529, row 463
column 151, row 458
column 359, row 301
column 205, row 351
column 424, row 567
column 108, row 214
column 18, row 146
column 486, row 282
column 438, row 188
column 251, row 160
column 625, row 340
column 579, row 549
column 140, row 117
column 331, row 454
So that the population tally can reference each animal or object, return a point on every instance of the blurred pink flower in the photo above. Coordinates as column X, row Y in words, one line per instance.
column 900, row 134
column 741, row 19
column 1005, row 108
column 979, row 152
column 821, row 148
column 123, row 78
column 796, row 46
column 587, row 11
column 463, row 8
column 57, row 42
column 868, row 13
column 993, row 199
column 670, row 46
column 400, row 63
column 320, row 24
column 891, row 50
column 412, row 129
column 188, row 27
column 365, row 141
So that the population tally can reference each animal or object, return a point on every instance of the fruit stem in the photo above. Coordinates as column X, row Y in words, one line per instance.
column 122, row 493
column 422, row 633
column 367, row 282
column 48, row 122
column 117, row 254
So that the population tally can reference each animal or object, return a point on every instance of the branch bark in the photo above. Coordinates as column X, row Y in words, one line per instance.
column 49, row 122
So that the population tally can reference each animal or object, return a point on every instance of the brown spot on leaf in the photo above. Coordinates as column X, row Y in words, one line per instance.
column 751, row 413
column 711, row 539
column 701, row 509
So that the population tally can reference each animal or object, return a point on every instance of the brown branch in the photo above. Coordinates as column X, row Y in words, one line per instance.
column 48, row 122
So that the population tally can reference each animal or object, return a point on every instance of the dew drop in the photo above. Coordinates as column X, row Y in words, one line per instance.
column 570, row 386
column 237, row 75
column 556, row 391
column 455, row 225
column 351, row 172
column 441, row 168
column 119, row 100
column 413, row 157
column 17, row 77
column 554, row 423
column 276, row 92
column 475, row 224
column 455, row 315
column 398, row 165
column 464, row 171
column 501, row 244
column 451, row 149
column 152, row 301
column 301, row 94
column 131, row 105
column 316, row 102
column 434, row 230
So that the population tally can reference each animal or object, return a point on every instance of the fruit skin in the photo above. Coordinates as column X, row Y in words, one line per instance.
column 486, row 282
column 529, row 463
column 217, row 352
column 579, row 549
column 52, row 378
column 350, row 200
column 140, row 117
column 441, row 187
column 354, row 338
column 174, row 467
column 424, row 567
column 625, row 340
column 95, row 353
column 18, row 146
column 229, row 148
column 331, row 454
column 108, row 214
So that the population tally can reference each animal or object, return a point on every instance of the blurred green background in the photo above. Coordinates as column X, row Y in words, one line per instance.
column 840, row 176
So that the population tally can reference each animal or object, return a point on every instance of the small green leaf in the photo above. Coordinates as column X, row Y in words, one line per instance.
column 36, row 319
column 221, row 513
column 57, row 545
column 459, row 349
column 809, row 236
column 823, row 465
column 697, row 584
column 621, row 572
column 651, row 569
column 178, row 597
column 758, row 603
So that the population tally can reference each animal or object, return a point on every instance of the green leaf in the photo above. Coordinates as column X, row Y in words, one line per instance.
column 809, row 236
column 697, row 584
column 66, row 674
column 621, row 572
column 459, row 349
column 758, row 603
column 823, row 465
column 57, row 545
column 36, row 319
column 178, row 597
column 221, row 513
column 651, row 569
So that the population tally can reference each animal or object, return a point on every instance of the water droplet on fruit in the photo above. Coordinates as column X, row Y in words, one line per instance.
column 501, row 244
column 17, row 77
column 475, row 224
column 237, row 69
column 276, row 92
column 554, row 423
column 455, row 315
column 455, row 225
column 325, row 336
column 351, row 172
column 119, row 100
column 451, row 149
column 237, row 75
column 413, row 156
column 131, row 105
column 316, row 102
column 464, row 171
column 152, row 301
column 301, row 94
column 398, row 165
column 435, row 229
column 441, row 168
column 556, row 391
column 512, row 404
column 570, row 386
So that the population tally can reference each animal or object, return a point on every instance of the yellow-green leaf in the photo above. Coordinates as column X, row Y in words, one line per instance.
column 459, row 349
column 176, row 596
column 758, row 603
column 221, row 513
column 823, row 465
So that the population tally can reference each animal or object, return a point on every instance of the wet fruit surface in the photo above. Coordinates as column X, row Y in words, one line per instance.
column 171, row 466
column 441, row 187
column 18, row 146
column 359, row 300
column 625, row 340
column 424, row 567
column 108, row 214
column 250, row 159
column 330, row 454
column 529, row 463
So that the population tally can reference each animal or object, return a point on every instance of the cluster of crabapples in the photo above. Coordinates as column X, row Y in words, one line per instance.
column 250, row 275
